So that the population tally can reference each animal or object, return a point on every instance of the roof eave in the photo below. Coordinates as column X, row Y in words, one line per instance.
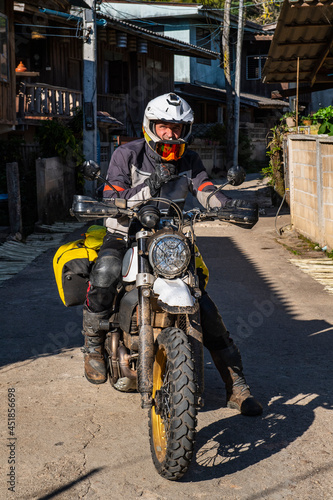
column 179, row 48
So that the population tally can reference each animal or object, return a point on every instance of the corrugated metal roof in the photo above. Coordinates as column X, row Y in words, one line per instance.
column 305, row 31
column 178, row 47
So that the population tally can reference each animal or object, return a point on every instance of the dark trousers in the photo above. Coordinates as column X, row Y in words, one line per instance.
column 106, row 274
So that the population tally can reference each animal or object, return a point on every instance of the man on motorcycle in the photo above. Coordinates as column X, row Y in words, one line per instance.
column 159, row 165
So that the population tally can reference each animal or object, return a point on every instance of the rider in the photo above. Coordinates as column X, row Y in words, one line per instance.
column 159, row 165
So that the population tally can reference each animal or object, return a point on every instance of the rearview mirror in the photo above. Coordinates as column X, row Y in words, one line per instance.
column 236, row 176
column 90, row 170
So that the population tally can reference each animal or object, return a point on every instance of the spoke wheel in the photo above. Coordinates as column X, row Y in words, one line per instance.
column 172, row 418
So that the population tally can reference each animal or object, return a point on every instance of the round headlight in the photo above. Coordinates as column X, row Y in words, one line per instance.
column 169, row 255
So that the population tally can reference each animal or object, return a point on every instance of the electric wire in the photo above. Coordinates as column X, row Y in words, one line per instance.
column 216, row 9
column 278, row 231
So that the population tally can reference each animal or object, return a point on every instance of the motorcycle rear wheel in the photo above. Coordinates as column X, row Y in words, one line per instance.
column 172, row 418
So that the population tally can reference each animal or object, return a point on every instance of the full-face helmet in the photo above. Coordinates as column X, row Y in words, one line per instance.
column 168, row 108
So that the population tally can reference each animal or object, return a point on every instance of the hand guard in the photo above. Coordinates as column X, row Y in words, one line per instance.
column 164, row 172
column 240, row 211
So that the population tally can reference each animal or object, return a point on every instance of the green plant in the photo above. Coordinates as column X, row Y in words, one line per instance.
column 57, row 139
column 274, row 170
column 289, row 114
column 324, row 116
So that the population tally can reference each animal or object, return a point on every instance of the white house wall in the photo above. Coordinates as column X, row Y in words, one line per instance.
column 182, row 63
column 210, row 74
column 137, row 10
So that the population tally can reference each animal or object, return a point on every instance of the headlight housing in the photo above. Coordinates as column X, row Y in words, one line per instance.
column 169, row 254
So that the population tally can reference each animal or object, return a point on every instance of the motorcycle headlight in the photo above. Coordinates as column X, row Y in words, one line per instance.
column 169, row 255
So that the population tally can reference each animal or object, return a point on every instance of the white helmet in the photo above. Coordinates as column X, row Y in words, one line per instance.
column 168, row 108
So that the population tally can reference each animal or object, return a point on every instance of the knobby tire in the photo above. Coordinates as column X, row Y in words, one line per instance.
column 172, row 429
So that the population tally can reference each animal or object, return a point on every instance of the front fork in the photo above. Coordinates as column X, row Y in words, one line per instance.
column 144, row 284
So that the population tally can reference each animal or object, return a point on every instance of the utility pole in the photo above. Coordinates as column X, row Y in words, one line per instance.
column 228, row 84
column 89, row 86
column 237, row 79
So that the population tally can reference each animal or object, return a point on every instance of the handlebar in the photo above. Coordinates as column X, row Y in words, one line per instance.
column 246, row 214
column 85, row 208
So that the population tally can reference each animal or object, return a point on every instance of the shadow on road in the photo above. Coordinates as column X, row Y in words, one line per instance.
column 288, row 362
column 70, row 485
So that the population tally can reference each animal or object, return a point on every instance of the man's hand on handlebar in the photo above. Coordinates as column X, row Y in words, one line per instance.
column 164, row 172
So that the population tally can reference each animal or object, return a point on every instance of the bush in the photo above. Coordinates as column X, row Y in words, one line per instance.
column 57, row 139
column 275, row 171
column 324, row 116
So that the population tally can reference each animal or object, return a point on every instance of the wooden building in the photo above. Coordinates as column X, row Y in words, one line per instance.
column 7, row 74
column 133, row 66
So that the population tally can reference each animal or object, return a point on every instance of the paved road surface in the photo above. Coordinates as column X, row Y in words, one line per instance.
column 73, row 440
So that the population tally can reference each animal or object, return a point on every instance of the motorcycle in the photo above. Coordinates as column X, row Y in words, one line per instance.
column 153, row 341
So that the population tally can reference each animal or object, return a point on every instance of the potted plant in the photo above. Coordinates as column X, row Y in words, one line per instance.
column 289, row 119
column 306, row 120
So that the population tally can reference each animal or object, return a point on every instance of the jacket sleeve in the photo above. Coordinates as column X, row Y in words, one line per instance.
column 119, row 176
column 202, row 186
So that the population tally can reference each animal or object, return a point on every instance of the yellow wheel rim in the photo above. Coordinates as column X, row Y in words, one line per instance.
column 158, row 427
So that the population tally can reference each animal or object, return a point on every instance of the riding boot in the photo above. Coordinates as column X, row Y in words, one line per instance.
column 94, row 361
column 229, row 363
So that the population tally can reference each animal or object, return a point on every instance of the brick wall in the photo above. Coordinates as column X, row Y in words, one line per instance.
column 310, row 162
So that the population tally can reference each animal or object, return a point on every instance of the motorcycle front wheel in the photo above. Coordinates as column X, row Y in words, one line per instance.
column 172, row 418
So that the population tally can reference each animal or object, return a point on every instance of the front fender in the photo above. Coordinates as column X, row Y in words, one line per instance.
column 174, row 296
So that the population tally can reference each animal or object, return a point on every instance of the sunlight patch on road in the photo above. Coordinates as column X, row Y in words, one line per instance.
column 319, row 269
column 301, row 399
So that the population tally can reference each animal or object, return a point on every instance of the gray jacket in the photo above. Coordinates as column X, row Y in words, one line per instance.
column 132, row 163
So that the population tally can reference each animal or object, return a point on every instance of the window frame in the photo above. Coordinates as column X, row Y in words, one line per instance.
column 260, row 65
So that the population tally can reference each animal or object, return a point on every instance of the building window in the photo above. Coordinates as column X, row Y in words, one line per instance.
column 254, row 67
column 4, row 71
column 203, row 39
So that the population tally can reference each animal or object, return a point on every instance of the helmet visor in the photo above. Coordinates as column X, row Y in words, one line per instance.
column 170, row 152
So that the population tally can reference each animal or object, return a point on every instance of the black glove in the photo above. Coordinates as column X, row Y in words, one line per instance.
column 164, row 172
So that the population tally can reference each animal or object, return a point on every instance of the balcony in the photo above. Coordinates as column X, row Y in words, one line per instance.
column 39, row 101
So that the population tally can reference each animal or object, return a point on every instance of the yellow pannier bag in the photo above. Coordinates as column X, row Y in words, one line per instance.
column 72, row 264
column 94, row 237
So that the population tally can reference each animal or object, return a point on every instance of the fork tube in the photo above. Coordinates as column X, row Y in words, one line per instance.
column 146, row 332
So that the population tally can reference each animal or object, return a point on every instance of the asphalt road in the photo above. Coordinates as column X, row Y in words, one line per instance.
column 73, row 440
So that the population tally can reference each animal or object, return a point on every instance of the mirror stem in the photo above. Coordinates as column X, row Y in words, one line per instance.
column 99, row 176
column 214, row 192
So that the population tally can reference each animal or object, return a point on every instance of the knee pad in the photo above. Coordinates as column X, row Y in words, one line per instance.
column 107, row 269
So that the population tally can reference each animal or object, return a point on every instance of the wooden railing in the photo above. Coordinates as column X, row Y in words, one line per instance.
column 37, row 100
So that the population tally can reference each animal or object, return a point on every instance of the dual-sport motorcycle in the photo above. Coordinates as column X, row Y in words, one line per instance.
column 153, row 336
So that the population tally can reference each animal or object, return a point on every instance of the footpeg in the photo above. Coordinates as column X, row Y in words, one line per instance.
column 125, row 384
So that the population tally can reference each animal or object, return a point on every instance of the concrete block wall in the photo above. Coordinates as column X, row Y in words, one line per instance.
column 212, row 156
column 310, row 161
column 55, row 182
